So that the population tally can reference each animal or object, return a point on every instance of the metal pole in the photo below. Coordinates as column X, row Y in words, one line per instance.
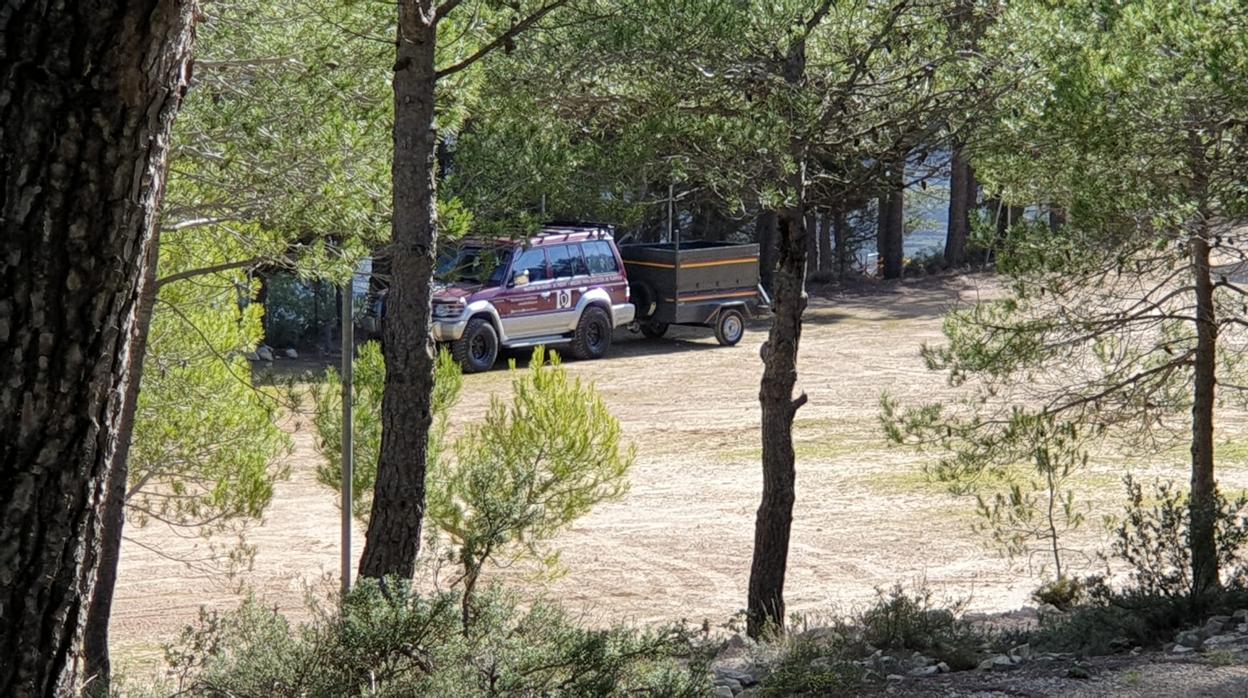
column 348, row 351
column 670, row 203
column 673, row 234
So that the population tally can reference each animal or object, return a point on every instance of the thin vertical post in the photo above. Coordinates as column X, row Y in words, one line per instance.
column 348, row 352
column 673, row 235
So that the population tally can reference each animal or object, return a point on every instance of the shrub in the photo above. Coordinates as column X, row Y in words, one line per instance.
column 811, row 667
column 902, row 621
column 1064, row 593
column 369, row 380
column 527, row 471
column 1153, row 538
column 394, row 641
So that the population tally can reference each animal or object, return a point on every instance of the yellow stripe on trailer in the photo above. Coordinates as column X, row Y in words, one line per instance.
column 694, row 265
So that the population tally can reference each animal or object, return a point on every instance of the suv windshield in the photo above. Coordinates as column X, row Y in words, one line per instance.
column 474, row 265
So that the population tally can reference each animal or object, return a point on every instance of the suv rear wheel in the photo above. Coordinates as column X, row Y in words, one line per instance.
column 730, row 327
column 653, row 329
column 477, row 349
column 593, row 334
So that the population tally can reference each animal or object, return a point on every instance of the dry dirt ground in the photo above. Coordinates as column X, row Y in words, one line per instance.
column 678, row 546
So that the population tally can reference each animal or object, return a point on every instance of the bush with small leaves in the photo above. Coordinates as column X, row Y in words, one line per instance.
column 903, row 621
column 390, row 640
column 1153, row 538
column 530, row 469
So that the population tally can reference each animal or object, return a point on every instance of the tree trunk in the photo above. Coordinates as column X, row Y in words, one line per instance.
column 765, row 600
column 96, row 665
column 393, row 537
column 708, row 222
column 1057, row 217
column 840, row 235
column 88, row 94
column 959, row 212
column 775, row 513
column 892, row 226
column 766, row 234
column 825, row 242
column 1203, row 504
column 812, row 240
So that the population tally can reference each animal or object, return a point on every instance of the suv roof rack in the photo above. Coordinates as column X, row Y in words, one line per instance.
column 579, row 225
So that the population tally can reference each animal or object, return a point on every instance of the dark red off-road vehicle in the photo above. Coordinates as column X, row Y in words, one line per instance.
column 570, row 285
column 564, row 286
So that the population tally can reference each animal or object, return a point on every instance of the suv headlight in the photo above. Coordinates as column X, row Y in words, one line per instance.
column 444, row 311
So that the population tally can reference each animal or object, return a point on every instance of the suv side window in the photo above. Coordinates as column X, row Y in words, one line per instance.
column 566, row 261
column 534, row 260
column 600, row 257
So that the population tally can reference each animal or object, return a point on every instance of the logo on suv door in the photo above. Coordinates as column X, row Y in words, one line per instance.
column 564, row 298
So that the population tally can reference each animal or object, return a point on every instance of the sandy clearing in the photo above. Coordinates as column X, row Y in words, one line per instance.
column 679, row 545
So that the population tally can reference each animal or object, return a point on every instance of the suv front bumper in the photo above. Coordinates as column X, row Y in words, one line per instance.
column 449, row 330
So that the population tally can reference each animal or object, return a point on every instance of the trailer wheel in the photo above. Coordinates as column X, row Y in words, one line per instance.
column 730, row 327
column 653, row 329
column 593, row 334
column 477, row 349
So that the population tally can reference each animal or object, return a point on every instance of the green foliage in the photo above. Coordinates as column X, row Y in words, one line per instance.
column 369, row 374
column 812, row 667
column 1064, row 593
column 1030, row 519
column 529, row 470
column 899, row 625
column 1120, row 119
column 205, row 448
column 1153, row 538
column 394, row 641
column 596, row 124
column 899, row 620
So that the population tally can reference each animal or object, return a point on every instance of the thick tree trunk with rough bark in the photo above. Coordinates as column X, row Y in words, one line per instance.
column 88, row 94
column 892, row 226
column 393, row 537
column 1203, row 504
column 959, row 210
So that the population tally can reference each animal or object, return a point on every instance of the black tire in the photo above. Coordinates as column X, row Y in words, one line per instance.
column 642, row 299
column 653, row 329
column 593, row 334
column 729, row 327
column 477, row 349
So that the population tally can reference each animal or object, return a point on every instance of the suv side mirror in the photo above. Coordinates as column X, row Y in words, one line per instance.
column 520, row 278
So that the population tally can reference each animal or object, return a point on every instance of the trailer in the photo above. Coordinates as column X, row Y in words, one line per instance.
column 702, row 283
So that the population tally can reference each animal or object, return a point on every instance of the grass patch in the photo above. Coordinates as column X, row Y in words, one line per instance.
column 1222, row 658
column 1232, row 453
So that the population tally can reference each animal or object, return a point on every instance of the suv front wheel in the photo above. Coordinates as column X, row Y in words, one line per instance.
column 477, row 349
column 593, row 334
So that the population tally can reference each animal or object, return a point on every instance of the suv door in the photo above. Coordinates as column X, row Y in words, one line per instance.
column 567, row 266
column 605, row 270
column 525, row 311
